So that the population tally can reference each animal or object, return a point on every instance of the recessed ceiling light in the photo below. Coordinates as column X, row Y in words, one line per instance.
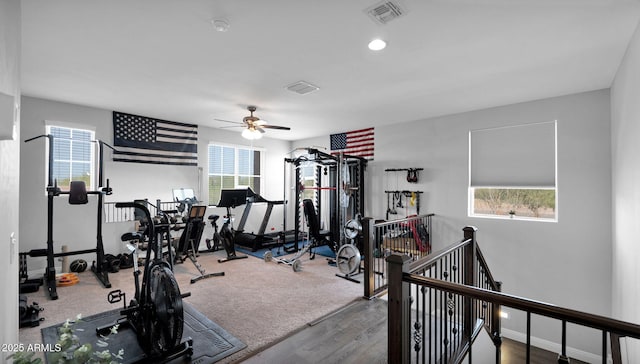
column 377, row 44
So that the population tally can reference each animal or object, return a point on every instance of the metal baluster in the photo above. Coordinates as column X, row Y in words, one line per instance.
column 439, row 319
column 528, row 337
column 444, row 318
column 430, row 318
column 417, row 339
column 604, row 347
column 563, row 357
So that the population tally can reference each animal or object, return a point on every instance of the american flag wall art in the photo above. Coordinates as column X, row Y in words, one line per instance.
column 359, row 143
column 145, row 140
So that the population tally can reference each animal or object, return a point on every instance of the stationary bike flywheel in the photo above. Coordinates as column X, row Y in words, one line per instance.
column 164, row 328
column 348, row 259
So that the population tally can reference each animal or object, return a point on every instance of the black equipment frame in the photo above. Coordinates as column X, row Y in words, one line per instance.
column 144, row 315
column 189, row 242
column 232, row 198
column 332, row 165
column 100, row 265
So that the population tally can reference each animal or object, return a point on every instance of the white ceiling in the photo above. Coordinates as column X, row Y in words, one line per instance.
column 164, row 59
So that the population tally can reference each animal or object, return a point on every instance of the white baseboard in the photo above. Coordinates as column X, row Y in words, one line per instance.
column 554, row 347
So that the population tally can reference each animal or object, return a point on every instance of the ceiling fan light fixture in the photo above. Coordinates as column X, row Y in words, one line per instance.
column 251, row 134
column 377, row 44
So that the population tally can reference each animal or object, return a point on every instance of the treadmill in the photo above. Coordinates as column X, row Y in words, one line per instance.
column 237, row 197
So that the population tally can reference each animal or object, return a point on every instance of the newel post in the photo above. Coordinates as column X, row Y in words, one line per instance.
column 469, row 279
column 399, row 316
column 496, row 326
column 368, row 245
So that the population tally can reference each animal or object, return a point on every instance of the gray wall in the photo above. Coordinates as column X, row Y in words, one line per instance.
column 566, row 263
column 9, row 173
column 75, row 226
column 625, row 133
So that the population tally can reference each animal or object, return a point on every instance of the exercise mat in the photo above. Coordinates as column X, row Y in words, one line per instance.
column 276, row 251
column 323, row 250
column 211, row 342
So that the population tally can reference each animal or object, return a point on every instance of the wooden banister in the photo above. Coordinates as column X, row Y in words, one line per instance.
column 621, row 328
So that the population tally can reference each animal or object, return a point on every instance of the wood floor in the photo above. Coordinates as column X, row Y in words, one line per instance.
column 355, row 334
column 516, row 352
column 358, row 334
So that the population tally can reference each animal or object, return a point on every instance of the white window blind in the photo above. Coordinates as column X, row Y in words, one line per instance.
column 513, row 156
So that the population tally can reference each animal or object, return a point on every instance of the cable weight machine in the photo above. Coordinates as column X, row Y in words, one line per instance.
column 340, row 176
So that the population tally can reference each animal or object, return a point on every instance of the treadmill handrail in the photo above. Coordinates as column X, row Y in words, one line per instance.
column 237, row 197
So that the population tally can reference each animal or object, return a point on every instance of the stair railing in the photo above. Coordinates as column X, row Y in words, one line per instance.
column 411, row 236
column 449, row 308
column 441, row 326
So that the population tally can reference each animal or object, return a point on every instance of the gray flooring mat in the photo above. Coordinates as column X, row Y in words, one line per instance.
column 211, row 342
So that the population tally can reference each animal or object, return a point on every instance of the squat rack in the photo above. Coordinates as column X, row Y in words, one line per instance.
column 345, row 181
column 77, row 195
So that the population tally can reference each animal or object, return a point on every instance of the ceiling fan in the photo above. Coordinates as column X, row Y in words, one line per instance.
column 254, row 127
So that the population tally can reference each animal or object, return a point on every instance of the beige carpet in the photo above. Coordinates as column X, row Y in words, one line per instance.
column 259, row 303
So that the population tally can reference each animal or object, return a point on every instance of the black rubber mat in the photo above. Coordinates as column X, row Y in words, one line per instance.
column 211, row 342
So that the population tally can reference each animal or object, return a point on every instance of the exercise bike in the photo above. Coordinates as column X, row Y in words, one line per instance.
column 156, row 312
column 225, row 236
column 213, row 244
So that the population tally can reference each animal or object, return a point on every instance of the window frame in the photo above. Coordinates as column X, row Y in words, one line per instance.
column 515, row 216
column 92, row 158
column 472, row 188
column 236, row 175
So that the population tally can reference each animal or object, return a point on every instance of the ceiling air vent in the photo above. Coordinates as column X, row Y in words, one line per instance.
column 302, row 87
column 384, row 12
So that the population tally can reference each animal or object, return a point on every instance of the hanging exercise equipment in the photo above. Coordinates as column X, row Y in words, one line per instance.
column 156, row 311
column 78, row 195
column 395, row 196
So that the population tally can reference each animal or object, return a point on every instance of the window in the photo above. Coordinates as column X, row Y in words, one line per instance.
column 512, row 172
column 73, row 156
column 233, row 167
column 309, row 180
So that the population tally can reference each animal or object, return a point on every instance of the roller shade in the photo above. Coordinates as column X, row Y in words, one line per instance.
column 513, row 156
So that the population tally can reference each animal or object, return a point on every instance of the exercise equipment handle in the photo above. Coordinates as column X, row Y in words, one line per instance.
column 39, row 136
column 144, row 209
column 50, row 181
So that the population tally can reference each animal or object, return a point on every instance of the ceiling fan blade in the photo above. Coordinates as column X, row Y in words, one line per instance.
column 232, row 126
column 276, row 127
column 259, row 128
column 228, row 121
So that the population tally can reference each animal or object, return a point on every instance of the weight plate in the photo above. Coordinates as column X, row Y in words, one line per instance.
column 296, row 265
column 352, row 228
column 268, row 256
column 348, row 259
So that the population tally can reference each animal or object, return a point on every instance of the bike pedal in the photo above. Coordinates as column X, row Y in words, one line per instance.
column 115, row 296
